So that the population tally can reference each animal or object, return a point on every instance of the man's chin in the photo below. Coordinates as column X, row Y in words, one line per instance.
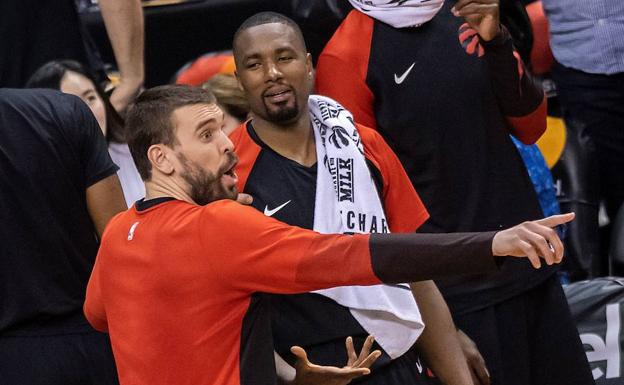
column 285, row 114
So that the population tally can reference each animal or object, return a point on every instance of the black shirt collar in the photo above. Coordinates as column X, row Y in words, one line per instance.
column 142, row 204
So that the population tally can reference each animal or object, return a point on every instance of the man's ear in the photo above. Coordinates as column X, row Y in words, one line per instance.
column 240, row 86
column 309, row 66
column 158, row 155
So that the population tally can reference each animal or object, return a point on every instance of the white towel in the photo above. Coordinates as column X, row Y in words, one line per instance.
column 399, row 13
column 345, row 191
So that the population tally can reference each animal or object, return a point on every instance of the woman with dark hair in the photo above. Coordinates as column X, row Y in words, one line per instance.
column 73, row 78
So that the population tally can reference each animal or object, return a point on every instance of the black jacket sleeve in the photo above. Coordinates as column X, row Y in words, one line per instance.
column 416, row 257
column 518, row 94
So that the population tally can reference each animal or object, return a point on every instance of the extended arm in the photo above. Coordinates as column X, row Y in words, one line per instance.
column 282, row 259
column 407, row 257
column 124, row 23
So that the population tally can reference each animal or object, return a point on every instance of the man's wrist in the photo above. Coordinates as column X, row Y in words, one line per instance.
column 499, row 40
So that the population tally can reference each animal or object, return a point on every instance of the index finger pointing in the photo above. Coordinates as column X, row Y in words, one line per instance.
column 556, row 220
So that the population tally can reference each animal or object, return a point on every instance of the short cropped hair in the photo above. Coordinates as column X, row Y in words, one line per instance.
column 149, row 120
column 267, row 18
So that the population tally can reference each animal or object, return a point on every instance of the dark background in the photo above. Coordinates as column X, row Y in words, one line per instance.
column 176, row 34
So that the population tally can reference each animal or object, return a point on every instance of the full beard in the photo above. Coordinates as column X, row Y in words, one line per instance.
column 205, row 186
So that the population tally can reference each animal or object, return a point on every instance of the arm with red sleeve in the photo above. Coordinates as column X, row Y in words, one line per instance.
column 342, row 67
column 519, row 96
column 93, row 307
column 265, row 255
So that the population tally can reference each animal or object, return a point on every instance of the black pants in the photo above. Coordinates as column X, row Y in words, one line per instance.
column 530, row 339
column 593, row 107
column 71, row 359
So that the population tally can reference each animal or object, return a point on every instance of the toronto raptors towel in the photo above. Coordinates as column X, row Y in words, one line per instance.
column 345, row 188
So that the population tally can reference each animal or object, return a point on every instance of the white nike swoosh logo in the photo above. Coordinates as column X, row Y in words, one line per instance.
column 399, row 79
column 269, row 213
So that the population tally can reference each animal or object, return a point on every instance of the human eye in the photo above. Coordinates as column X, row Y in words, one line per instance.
column 252, row 65
column 205, row 134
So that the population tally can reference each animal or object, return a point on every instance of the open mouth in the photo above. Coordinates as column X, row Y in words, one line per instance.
column 229, row 173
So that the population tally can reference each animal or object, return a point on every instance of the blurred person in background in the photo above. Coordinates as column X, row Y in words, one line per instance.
column 586, row 41
column 73, row 78
column 59, row 189
column 37, row 31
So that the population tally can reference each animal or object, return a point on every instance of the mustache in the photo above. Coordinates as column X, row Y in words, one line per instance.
column 232, row 160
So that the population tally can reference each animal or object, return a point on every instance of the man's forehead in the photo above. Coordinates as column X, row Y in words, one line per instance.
column 269, row 35
column 197, row 113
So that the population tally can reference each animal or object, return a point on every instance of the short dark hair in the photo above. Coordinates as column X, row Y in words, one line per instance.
column 50, row 75
column 149, row 120
column 267, row 18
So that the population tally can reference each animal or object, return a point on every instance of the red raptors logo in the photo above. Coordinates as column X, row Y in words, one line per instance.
column 469, row 39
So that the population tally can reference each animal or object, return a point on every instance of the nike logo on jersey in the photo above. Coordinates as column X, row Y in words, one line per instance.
column 419, row 366
column 132, row 229
column 269, row 213
column 399, row 79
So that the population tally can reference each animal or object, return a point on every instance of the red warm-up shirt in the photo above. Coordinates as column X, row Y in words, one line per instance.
column 173, row 283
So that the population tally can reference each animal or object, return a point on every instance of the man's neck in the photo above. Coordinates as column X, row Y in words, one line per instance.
column 156, row 188
column 294, row 141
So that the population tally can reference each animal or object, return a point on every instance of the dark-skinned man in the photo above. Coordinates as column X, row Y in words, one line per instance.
column 278, row 167
column 279, row 151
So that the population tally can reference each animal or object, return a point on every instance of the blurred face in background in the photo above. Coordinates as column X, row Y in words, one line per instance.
column 230, row 122
column 79, row 85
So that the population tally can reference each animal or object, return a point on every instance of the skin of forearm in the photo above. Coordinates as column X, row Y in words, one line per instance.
column 438, row 344
column 124, row 24
column 285, row 372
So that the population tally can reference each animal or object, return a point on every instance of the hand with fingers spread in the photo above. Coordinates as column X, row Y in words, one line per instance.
column 357, row 366
column 534, row 240
column 482, row 16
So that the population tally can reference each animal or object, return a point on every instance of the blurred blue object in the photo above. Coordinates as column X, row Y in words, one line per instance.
column 540, row 176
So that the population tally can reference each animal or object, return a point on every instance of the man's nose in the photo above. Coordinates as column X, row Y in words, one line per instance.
column 226, row 143
column 273, row 72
